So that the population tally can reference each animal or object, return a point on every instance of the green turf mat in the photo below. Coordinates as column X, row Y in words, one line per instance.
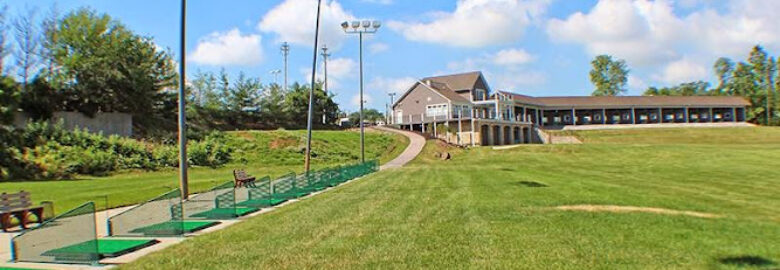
column 260, row 203
column 105, row 248
column 175, row 227
column 14, row 268
column 221, row 213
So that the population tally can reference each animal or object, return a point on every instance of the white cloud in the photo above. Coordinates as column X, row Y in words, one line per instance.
column 512, row 57
column 339, row 70
column 651, row 33
column 636, row 84
column 293, row 21
column 391, row 85
column 367, row 99
column 378, row 47
column 681, row 71
column 475, row 23
column 228, row 48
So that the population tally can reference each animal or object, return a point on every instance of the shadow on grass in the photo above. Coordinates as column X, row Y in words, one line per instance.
column 746, row 260
column 531, row 184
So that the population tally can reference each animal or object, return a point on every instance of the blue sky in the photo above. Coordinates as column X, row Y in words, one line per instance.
column 535, row 47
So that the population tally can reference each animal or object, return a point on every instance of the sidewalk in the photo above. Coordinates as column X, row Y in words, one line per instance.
column 416, row 144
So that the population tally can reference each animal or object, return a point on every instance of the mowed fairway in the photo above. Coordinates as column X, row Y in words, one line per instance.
column 489, row 209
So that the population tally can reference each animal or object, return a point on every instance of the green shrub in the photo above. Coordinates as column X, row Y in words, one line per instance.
column 45, row 151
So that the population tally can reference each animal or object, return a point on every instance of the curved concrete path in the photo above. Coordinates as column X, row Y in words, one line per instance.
column 416, row 144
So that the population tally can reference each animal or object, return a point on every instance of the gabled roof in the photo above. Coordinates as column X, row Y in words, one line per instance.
column 456, row 82
column 447, row 92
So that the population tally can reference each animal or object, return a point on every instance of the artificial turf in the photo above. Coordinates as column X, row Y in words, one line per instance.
column 96, row 249
column 175, row 227
column 260, row 202
column 223, row 213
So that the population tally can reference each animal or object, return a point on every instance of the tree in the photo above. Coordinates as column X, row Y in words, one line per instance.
column 723, row 68
column 272, row 106
column 369, row 115
column 5, row 48
column 107, row 68
column 697, row 88
column 28, row 45
column 609, row 76
column 49, row 27
column 297, row 106
column 9, row 99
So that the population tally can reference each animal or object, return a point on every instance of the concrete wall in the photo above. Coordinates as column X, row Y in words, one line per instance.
column 108, row 123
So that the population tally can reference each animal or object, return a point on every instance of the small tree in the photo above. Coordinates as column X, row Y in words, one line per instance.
column 28, row 45
column 609, row 76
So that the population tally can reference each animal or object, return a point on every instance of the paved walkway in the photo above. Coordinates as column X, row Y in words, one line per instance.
column 416, row 144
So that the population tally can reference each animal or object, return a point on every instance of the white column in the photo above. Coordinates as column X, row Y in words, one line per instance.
column 422, row 123
column 472, row 128
column 522, row 135
column 460, row 125
column 633, row 116
column 603, row 116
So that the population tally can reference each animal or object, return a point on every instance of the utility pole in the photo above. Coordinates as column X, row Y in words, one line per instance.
column 183, row 181
column 285, row 52
column 307, row 159
column 325, row 56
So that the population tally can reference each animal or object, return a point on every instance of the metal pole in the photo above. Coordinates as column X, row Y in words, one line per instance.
column 307, row 161
column 362, row 138
column 285, row 52
column 183, row 183
column 325, row 55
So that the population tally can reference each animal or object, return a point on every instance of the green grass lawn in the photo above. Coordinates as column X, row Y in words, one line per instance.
column 258, row 152
column 489, row 209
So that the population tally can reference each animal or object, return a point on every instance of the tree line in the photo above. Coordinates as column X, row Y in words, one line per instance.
column 89, row 62
column 757, row 79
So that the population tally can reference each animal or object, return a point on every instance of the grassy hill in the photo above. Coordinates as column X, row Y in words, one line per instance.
column 710, row 202
column 258, row 152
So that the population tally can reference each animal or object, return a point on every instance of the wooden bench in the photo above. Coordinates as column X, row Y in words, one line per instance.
column 242, row 179
column 20, row 206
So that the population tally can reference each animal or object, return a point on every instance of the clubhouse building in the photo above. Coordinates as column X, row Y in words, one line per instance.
column 462, row 109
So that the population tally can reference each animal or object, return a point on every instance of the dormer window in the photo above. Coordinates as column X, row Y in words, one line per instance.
column 479, row 94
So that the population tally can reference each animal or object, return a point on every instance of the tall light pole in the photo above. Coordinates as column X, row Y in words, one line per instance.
column 325, row 55
column 276, row 72
column 307, row 160
column 285, row 52
column 390, row 111
column 360, row 28
column 183, row 182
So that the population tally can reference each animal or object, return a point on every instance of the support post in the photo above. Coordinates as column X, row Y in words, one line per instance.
column 687, row 119
column 633, row 116
column 183, row 179
column 472, row 128
column 460, row 124
column 734, row 114
column 712, row 117
column 574, row 116
column 660, row 116
column 603, row 116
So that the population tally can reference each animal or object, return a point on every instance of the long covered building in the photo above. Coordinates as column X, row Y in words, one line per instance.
column 462, row 109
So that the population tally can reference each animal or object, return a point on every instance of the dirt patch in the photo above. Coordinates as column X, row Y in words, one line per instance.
column 628, row 209
column 281, row 143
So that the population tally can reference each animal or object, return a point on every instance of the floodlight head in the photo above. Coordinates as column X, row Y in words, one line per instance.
column 355, row 24
column 376, row 24
column 345, row 25
column 366, row 24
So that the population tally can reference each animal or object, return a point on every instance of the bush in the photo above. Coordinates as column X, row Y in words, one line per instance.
column 44, row 151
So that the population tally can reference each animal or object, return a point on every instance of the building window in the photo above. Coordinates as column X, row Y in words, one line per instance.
column 436, row 110
column 479, row 94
